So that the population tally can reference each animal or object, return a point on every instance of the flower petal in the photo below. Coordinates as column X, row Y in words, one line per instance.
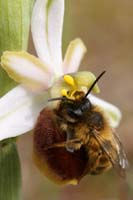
column 26, row 69
column 19, row 110
column 111, row 111
column 74, row 55
column 47, row 23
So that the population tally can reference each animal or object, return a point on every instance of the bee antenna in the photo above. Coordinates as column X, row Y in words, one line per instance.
column 93, row 84
column 56, row 99
column 60, row 98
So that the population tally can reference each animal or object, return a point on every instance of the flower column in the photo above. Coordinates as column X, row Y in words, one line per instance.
column 14, row 31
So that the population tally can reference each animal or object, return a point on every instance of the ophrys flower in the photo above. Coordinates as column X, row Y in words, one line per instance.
column 43, row 78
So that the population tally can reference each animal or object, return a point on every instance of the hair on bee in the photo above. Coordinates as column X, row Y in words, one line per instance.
column 77, row 135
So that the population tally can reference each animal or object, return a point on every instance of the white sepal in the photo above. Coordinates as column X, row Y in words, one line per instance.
column 46, row 26
column 55, row 28
column 19, row 110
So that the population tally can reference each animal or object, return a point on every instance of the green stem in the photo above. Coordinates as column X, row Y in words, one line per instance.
column 14, row 33
column 10, row 173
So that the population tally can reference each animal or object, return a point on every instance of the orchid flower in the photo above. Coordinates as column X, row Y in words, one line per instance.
column 47, row 76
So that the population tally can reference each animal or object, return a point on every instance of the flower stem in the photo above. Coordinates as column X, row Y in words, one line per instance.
column 10, row 173
column 14, row 33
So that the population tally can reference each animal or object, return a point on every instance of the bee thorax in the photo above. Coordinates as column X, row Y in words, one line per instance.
column 96, row 120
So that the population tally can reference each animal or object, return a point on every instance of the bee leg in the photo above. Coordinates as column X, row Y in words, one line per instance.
column 76, row 143
column 72, row 143
column 73, row 146
column 69, row 144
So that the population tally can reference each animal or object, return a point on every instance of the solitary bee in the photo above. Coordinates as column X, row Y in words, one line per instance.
column 75, row 139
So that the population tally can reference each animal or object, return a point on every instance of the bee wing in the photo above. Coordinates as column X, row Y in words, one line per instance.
column 114, row 150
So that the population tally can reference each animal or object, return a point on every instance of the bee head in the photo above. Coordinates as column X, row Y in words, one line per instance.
column 74, row 109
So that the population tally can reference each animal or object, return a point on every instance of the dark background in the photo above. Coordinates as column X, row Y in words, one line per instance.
column 106, row 27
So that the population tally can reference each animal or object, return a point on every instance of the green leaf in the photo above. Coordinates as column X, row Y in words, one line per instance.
column 14, row 24
column 14, row 32
column 10, row 173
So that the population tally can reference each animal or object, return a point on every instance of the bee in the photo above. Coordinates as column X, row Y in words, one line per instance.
column 78, row 133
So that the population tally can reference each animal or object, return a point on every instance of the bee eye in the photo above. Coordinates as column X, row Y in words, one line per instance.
column 86, row 106
column 75, row 113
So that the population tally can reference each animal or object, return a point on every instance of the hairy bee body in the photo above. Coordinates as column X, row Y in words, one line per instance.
column 74, row 138
column 81, row 130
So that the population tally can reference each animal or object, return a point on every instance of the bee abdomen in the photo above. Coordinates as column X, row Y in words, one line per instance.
column 56, row 163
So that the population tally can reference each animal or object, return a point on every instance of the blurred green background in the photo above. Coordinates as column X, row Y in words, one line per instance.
column 106, row 27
